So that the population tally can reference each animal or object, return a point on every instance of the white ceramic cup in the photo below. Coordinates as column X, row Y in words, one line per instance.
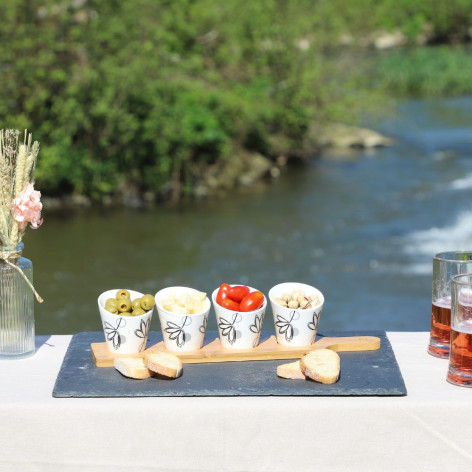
column 181, row 332
column 239, row 329
column 124, row 334
column 295, row 327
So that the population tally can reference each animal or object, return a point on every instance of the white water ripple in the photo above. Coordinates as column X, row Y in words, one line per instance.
column 456, row 237
column 463, row 183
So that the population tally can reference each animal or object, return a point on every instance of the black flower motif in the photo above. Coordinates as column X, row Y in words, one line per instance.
column 112, row 332
column 227, row 328
column 177, row 332
column 256, row 328
column 202, row 328
column 313, row 325
column 285, row 326
column 142, row 332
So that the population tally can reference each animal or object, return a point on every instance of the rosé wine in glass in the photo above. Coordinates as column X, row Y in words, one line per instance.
column 460, row 358
column 446, row 265
column 440, row 327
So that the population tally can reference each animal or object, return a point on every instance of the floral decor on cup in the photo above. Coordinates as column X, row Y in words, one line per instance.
column 125, row 332
column 296, row 308
column 239, row 311
column 20, row 204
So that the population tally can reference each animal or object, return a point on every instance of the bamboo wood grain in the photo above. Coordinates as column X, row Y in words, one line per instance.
column 266, row 350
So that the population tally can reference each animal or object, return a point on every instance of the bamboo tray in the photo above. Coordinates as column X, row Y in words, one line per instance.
column 267, row 350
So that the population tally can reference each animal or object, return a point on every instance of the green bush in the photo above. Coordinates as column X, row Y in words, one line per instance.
column 136, row 93
column 147, row 93
column 428, row 72
column 449, row 20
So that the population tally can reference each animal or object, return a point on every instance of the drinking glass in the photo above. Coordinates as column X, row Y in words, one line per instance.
column 460, row 359
column 445, row 266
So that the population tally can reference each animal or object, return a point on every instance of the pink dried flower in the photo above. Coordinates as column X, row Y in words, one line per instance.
column 26, row 208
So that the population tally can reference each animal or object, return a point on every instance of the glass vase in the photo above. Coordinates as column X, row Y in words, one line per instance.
column 16, row 305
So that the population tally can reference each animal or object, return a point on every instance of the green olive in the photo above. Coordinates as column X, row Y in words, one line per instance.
column 136, row 303
column 111, row 305
column 111, row 302
column 124, row 305
column 138, row 312
column 147, row 302
column 122, row 294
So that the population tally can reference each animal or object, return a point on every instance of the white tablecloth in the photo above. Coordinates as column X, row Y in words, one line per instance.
column 428, row 430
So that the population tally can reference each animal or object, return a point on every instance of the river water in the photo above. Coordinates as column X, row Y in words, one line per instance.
column 362, row 227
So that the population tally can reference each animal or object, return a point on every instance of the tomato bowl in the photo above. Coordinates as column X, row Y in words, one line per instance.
column 239, row 329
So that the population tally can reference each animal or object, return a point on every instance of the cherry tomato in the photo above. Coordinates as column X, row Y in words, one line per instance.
column 238, row 292
column 252, row 301
column 230, row 304
column 222, row 293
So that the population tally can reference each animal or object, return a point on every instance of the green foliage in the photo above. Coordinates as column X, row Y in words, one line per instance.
column 136, row 93
column 149, row 92
column 449, row 20
column 429, row 72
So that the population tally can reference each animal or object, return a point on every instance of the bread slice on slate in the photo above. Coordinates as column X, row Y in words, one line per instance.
column 292, row 370
column 321, row 365
column 163, row 363
column 132, row 367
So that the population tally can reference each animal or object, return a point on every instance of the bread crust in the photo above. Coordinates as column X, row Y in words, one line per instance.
column 321, row 365
column 132, row 367
column 163, row 363
column 291, row 370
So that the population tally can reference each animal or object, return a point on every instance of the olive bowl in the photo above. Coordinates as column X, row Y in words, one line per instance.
column 124, row 334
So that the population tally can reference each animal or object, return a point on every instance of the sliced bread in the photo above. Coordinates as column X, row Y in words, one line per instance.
column 321, row 365
column 292, row 370
column 163, row 363
column 132, row 367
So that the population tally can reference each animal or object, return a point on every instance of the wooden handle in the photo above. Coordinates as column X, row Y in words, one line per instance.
column 349, row 343
column 267, row 350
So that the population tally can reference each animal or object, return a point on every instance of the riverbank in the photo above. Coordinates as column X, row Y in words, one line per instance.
column 245, row 169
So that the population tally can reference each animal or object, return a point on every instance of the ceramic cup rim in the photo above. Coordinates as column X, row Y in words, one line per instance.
column 306, row 287
column 251, row 289
column 176, row 288
column 133, row 295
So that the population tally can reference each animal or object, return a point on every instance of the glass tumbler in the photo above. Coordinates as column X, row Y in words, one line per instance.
column 460, row 359
column 445, row 266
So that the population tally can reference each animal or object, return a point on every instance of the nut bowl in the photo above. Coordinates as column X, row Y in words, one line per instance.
column 295, row 326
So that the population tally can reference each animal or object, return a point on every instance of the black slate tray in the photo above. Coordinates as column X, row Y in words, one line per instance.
column 374, row 373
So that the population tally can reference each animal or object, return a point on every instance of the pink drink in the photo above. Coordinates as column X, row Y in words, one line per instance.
column 440, row 328
column 460, row 362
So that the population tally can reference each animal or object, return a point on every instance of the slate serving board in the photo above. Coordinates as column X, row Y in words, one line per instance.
column 374, row 373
